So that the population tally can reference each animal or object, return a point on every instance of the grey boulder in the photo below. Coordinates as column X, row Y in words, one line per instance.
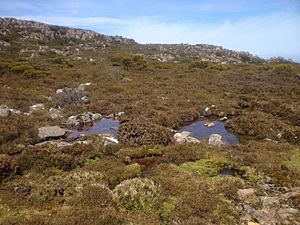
column 51, row 132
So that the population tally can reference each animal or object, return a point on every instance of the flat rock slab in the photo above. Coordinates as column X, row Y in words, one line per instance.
column 51, row 132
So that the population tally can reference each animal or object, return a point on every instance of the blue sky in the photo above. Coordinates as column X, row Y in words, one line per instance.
column 263, row 27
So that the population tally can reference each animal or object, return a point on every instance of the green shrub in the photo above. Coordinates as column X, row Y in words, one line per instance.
column 205, row 167
column 137, row 194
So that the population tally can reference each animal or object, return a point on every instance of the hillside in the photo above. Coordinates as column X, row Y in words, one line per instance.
column 98, row 129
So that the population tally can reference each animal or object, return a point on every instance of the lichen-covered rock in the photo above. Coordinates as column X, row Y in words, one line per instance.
column 215, row 139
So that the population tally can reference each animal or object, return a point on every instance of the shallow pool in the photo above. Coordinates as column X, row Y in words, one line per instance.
column 201, row 132
column 103, row 126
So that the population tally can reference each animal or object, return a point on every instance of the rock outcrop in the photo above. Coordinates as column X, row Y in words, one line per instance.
column 87, row 118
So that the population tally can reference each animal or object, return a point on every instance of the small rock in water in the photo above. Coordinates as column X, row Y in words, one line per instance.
column 209, row 125
column 215, row 139
column 4, row 111
column 51, row 132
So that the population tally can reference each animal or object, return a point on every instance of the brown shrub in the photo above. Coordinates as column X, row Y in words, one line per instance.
column 262, row 125
column 67, row 158
column 7, row 166
column 139, row 132
column 14, row 130
column 199, row 207
column 95, row 195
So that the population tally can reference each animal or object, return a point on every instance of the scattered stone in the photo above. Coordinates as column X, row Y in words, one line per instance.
column 244, row 193
column 55, row 113
column 247, row 217
column 185, row 138
column 283, row 214
column 115, row 115
column 191, row 140
column 4, row 111
column 109, row 139
column 215, row 139
column 87, row 118
column 85, row 100
column 209, row 125
column 36, row 107
column 15, row 111
column 269, row 201
column 82, row 87
column 265, row 187
column 265, row 216
column 51, row 132
column 59, row 91
column 180, row 136
column 62, row 144
column 224, row 118
column 253, row 223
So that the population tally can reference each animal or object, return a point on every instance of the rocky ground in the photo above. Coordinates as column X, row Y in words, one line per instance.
column 54, row 80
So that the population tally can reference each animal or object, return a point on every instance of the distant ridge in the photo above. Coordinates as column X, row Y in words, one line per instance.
column 23, row 33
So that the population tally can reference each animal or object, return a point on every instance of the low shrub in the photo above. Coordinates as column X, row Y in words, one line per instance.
column 137, row 193
column 140, row 132
column 16, row 131
column 67, row 158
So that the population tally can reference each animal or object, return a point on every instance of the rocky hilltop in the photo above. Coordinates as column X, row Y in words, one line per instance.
column 35, row 37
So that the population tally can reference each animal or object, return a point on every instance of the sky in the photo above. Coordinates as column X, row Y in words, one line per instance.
column 263, row 27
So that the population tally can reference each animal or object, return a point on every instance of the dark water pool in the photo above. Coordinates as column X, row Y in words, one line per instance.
column 103, row 126
column 201, row 132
